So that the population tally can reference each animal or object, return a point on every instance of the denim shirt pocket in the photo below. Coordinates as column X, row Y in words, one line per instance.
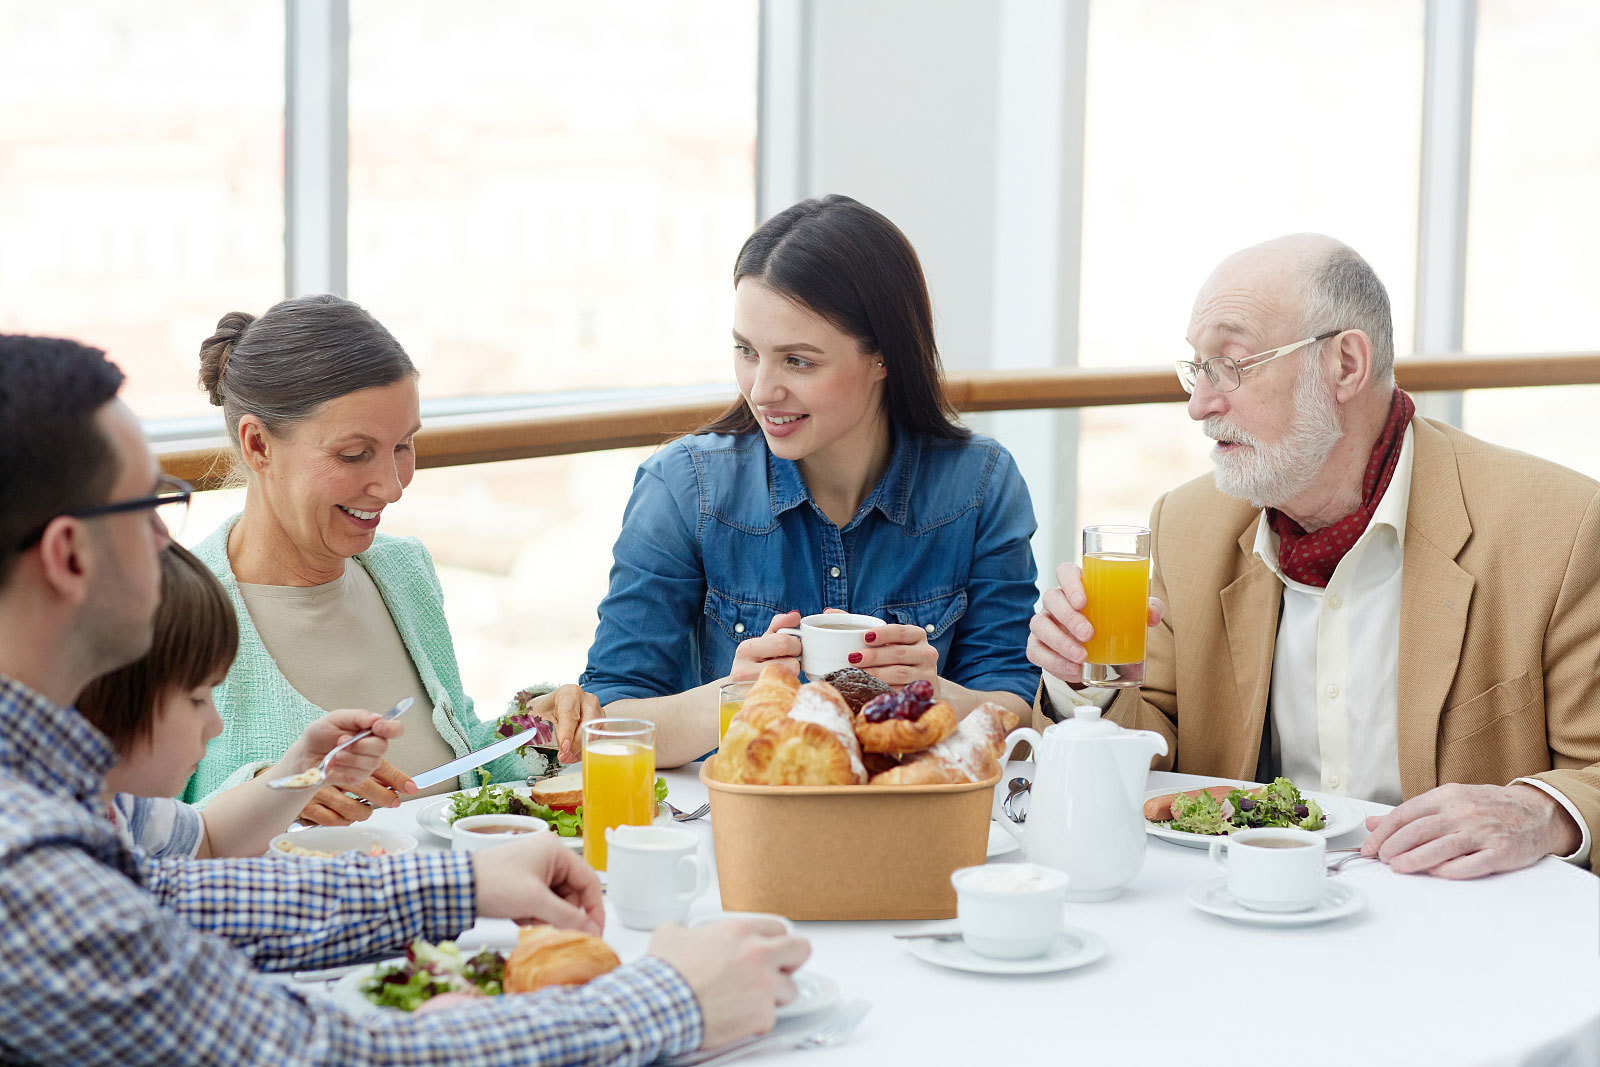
column 935, row 614
column 729, row 620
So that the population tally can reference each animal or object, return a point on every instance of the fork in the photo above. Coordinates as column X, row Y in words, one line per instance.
column 1339, row 864
column 687, row 816
column 834, row 1031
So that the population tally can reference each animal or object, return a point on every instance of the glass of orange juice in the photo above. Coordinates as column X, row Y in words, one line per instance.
column 1116, row 583
column 731, row 699
column 619, row 780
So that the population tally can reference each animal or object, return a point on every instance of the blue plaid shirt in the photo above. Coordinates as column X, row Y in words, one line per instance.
column 108, row 956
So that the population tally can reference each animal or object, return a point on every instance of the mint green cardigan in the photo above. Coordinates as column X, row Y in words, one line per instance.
column 262, row 714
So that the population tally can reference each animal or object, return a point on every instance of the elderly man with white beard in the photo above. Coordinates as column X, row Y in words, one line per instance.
column 1370, row 603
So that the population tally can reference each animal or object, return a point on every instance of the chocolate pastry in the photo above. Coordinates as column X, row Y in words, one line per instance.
column 856, row 686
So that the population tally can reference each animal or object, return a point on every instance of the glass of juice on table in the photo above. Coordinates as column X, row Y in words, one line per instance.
column 731, row 700
column 619, row 780
column 1116, row 583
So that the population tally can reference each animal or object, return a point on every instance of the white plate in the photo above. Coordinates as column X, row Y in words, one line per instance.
column 1000, row 842
column 340, row 839
column 1338, row 900
column 1074, row 948
column 1339, row 815
column 816, row 991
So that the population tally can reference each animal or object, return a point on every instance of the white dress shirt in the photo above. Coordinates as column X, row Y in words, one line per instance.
column 1335, row 666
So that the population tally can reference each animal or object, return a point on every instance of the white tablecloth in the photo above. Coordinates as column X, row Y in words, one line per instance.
column 1502, row 970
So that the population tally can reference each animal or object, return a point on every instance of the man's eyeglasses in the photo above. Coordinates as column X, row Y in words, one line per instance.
column 1226, row 373
column 169, row 503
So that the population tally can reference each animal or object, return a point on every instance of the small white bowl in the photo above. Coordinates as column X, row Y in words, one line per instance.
column 322, row 842
column 1010, row 911
column 486, row 831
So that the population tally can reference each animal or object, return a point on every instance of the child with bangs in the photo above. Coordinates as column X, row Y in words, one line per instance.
column 158, row 714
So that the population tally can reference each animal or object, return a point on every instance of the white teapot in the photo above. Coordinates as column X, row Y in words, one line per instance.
column 1086, row 812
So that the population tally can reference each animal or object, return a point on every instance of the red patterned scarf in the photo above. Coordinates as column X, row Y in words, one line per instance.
column 1309, row 558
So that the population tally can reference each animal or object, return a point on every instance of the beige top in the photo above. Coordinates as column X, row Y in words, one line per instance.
column 338, row 647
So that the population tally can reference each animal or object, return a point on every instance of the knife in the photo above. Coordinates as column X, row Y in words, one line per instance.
column 476, row 759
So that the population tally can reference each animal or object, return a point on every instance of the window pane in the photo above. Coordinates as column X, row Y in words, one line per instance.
column 1210, row 127
column 141, row 178
column 1534, row 218
column 551, row 196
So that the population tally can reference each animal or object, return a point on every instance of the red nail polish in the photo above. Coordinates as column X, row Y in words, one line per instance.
column 872, row 635
column 855, row 657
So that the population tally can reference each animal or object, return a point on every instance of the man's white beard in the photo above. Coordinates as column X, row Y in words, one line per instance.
column 1269, row 476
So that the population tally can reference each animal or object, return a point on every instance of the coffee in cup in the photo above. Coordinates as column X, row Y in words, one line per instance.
column 826, row 640
column 1273, row 868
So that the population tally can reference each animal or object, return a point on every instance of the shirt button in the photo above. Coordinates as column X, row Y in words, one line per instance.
column 929, row 627
column 1335, row 602
column 1333, row 692
column 1333, row 781
column 833, row 571
column 738, row 627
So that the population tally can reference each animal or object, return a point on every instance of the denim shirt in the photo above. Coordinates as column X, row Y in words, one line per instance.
column 720, row 535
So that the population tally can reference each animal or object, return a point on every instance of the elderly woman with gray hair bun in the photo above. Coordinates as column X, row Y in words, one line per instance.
column 322, row 408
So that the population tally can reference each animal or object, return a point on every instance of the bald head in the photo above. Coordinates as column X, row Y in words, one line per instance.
column 1309, row 282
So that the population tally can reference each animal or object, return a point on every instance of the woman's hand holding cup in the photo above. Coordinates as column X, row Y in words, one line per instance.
column 771, row 647
column 898, row 655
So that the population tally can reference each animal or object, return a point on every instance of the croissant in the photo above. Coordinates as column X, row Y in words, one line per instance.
column 907, row 735
column 546, row 955
column 814, row 744
column 769, row 701
column 968, row 755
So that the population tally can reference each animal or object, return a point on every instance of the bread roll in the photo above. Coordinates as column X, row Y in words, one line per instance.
column 546, row 955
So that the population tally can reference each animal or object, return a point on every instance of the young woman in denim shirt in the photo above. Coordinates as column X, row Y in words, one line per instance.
column 839, row 479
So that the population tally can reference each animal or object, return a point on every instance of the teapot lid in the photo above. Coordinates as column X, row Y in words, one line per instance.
column 1086, row 722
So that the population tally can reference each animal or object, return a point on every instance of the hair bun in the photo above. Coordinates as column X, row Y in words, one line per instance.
column 216, row 350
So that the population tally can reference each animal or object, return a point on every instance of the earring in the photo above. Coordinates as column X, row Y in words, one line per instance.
column 880, row 362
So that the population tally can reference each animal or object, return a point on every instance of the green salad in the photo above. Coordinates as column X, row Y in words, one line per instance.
column 429, row 970
column 1278, row 804
column 489, row 799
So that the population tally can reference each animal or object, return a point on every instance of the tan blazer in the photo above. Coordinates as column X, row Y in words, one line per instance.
column 1499, row 626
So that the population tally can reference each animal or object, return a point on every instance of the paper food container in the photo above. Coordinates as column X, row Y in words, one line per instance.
column 847, row 851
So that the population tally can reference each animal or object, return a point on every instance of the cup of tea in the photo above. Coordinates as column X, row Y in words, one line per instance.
column 654, row 873
column 827, row 640
column 1010, row 911
column 486, row 831
column 1273, row 868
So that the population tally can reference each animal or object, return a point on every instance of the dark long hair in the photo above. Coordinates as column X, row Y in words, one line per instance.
column 853, row 267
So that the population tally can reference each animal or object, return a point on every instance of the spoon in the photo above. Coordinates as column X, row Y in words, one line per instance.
column 315, row 776
column 1017, row 787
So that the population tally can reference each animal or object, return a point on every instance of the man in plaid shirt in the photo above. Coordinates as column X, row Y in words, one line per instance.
column 107, row 956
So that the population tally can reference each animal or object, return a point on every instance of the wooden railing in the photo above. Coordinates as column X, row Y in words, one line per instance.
column 460, row 439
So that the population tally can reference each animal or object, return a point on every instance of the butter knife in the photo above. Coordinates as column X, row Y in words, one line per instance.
column 474, row 759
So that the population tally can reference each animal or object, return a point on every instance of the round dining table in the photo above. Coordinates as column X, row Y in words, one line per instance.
column 1498, row 970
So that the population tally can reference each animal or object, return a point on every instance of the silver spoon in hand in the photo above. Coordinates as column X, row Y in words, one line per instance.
column 315, row 776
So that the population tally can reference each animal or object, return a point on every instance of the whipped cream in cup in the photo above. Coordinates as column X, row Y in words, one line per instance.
column 1010, row 910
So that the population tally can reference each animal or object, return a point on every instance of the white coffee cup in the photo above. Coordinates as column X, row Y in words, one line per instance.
column 827, row 640
column 486, row 831
column 1010, row 911
column 745, row 916
column 1272, row 868
column 653, row 874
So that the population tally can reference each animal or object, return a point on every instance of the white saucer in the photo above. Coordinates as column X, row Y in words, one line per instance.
column 816, row 991
column 1000, row 842
column 1337, row 902
column 1074, row 948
